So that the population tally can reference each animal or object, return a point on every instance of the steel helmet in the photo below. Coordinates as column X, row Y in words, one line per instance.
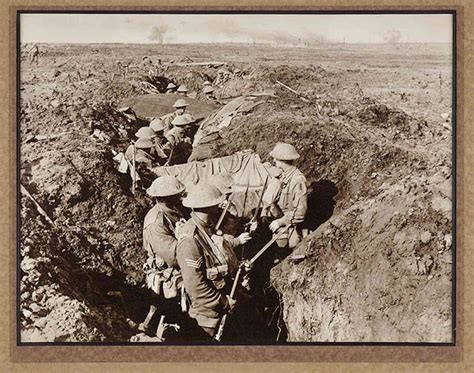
column 170, row 85
column 165, row 186
column 183, row 88
column 284, row 152
column 182, row 120
column 208, row 89
column 180, row 103
column 203, row 195
column 207, row 82
column 143, row 143
column 157, row 125
column 145, row 133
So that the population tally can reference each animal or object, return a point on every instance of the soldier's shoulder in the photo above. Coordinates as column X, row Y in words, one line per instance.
column 299, row 181
column 171, row 135
column 154, row 215
column 187, row 230
column 299, row 176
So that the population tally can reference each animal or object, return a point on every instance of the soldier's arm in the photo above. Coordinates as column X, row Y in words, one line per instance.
column 233, row 241
column 161, row 242
column 199, row 288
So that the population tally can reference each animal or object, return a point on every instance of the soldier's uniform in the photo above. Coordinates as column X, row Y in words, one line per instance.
column 180, row 143
column 176, row 136
column 207, row 272
column 159, row 233
column 141, row 156
column 207, row 261
column 290, row 196
column 168, row 118
column 163, row 277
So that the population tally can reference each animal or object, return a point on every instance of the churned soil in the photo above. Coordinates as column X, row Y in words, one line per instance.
column 372, row 125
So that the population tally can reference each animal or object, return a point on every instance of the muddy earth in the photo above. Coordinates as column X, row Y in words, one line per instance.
column 373, row 126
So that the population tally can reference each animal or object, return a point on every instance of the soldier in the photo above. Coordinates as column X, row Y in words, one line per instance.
column 34, row 54
column 209, row 94
column 145, row 132
column 289, row 202
column 141, row 148
column 180, row 107
column 179, row 139
column 171, row 88
column 161, row 144
column 141, row 160
column 183, row 90
column 160, row 222
column 159, row 241
column 207, row 268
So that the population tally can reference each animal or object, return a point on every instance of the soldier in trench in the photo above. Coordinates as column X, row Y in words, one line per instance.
column 180, row 108
column 183, row 90
column 288, row 201
column 180, row 140
column 163, row 276
column 161, row 145
column 209, row 95
column 285, row 205
column 140, row 160
column 207, row 260
column 171, row 87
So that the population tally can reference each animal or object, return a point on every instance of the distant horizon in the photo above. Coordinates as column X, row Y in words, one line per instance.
column 281, row 29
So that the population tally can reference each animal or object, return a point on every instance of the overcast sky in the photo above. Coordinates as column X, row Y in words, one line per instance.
column 200, row 28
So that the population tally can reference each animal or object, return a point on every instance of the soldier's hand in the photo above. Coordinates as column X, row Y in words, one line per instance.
column 231, row 302
column 247, row 265
column 253, row 226
column 274, row 225
column 244, row 238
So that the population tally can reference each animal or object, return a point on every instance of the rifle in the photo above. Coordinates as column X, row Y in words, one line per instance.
column 223, row 321
column 255, row 214
column 245, row 197
column 220, row 330
column 221, row 218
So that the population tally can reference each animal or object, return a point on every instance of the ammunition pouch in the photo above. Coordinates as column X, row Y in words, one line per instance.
column 275, row 211
column 161, row 279
column 272, row 212
column 217, row 273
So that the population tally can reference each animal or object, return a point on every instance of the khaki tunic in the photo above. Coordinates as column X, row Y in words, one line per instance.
column 158, row 233
column 167, row 119
column 181, row 146
column 293, row 197
column 206, row 276
column 290, row 195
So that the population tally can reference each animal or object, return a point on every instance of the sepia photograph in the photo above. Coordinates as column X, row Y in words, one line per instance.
column 252, row 178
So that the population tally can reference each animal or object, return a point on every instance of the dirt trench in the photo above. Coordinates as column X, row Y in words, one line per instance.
column 377, row 266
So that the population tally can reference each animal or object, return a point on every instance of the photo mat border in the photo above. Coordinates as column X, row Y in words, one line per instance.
column 219, row 10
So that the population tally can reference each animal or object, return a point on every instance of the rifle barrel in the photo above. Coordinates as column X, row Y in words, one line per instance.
column 221, row 218
column 220, row 330
column 263, row 249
